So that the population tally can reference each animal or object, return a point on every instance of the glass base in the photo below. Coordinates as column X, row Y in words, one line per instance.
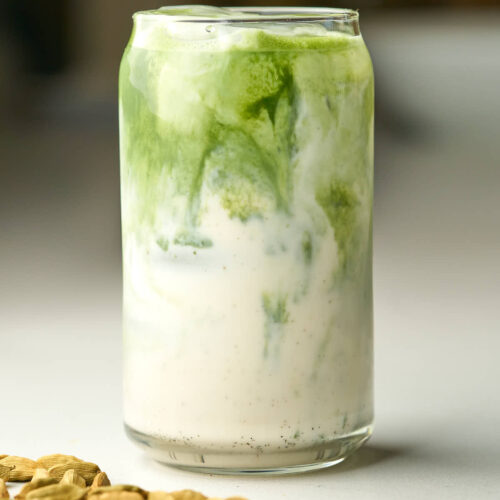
column 230, row 462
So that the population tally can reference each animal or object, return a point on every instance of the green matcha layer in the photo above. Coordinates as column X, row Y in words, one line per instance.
column 265, row 119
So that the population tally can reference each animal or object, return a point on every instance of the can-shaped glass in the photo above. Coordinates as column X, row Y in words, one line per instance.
column 246, row 141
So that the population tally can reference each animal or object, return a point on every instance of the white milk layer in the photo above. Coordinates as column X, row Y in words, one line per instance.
column 204, row 363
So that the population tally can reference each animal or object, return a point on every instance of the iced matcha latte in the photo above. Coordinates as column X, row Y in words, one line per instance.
column 246, row 169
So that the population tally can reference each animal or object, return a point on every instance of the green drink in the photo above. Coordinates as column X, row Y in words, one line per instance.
column 247, row 167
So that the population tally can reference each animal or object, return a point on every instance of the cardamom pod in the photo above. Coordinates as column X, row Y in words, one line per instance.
column 65, row 477
column 160, row 495
column 87, row 470
column 57, row 492
column 116, row 495
column 48, row 461
column 40, row 473
column 102, row 492
column 23, row 470
column 72, row 477
column 187, row 495
column 4, row 492
column 5, row 471
column 101, row 479
column 35, row 484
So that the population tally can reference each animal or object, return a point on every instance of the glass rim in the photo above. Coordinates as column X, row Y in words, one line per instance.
column 258, row 15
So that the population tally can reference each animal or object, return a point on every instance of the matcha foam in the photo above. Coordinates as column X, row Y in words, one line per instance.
column 246, row 153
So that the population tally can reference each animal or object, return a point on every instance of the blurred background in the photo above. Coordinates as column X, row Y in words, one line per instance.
column 437, row 185
column 437, row 66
